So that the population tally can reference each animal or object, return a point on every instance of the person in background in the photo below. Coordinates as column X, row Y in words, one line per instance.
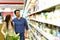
column 7, row 27
column 20, row 25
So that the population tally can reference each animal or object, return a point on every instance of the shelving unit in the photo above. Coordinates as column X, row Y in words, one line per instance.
column 46, row 21
column 44, row 18
column 49, row 4
column 47, row 35
column 34, row 34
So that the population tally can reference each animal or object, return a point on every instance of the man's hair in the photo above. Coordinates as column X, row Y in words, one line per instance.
column 15, row 11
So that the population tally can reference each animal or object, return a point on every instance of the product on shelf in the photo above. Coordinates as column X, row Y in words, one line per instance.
column 38, row 34
column 43, row 38
column 38, row 16
column 31, row 16
column 46, row 15
column 53, row 29
column 58, row 31
column 37, row 5
column 40, row 26
column 50, row 16
column 42, row 16
column 46, row 29
column 32, row 36
column 33, row 28
column 34, row 16
column 35, row 23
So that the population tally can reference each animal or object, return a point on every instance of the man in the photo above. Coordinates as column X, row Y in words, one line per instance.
column 20, row 25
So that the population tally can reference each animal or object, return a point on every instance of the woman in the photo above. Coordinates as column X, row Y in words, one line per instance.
column 9, row 28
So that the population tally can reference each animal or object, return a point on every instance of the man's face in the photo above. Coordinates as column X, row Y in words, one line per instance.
column 18, row 13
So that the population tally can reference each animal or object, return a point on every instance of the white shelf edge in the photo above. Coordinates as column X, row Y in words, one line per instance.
column 35, row 34
column 47, row 35
column 45, row 21
column 34, row 12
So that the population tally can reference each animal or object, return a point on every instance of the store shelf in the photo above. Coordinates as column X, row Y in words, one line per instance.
column 47, row 6
column 47, row 21
column 34, row 34
column 40, row 10
column 47, row 35
column 28, row 2
column 34, row 12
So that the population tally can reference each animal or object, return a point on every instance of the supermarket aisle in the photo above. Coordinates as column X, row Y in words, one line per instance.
column 44, row 19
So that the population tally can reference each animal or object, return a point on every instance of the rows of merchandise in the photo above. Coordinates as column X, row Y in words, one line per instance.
column 44, row 19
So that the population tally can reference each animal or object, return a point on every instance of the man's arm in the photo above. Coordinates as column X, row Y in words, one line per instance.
column 14, row 25
column 26, row 31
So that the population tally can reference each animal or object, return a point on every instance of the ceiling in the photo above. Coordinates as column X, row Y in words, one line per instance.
column 11, row 0
column 20, row 6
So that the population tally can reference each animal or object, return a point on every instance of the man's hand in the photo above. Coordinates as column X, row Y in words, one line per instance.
column 18, row 34
column 26, row 34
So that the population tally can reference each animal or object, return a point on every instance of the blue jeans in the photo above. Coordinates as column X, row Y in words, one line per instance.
column 22, row 36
